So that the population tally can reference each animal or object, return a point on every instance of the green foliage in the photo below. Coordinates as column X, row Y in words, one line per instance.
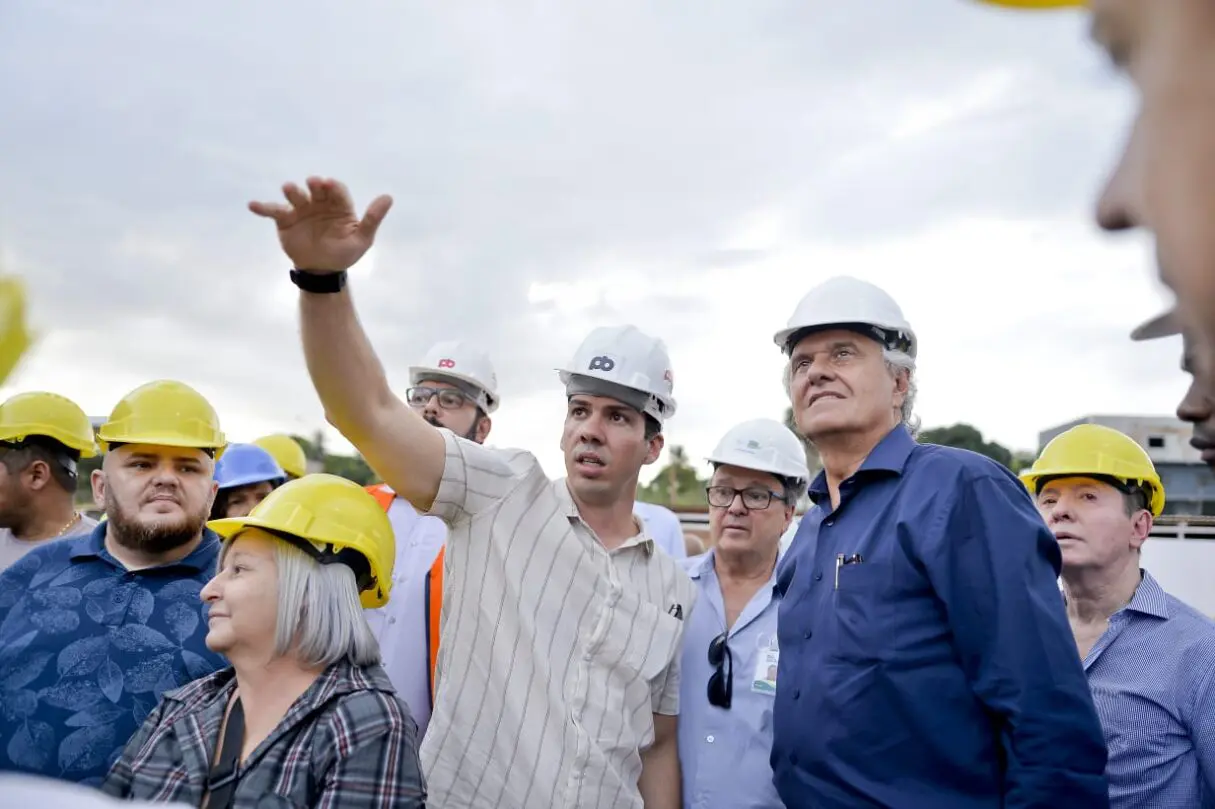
column 84, row 481
column 964, row 436
column 813, row 462
column 676, row 484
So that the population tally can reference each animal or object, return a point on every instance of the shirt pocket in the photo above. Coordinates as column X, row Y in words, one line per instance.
column 860, row 598
column 640, row 639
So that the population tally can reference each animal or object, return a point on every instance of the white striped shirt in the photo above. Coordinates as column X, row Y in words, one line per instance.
column 554, row 652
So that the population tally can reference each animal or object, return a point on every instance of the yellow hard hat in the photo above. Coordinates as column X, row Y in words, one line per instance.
column 333, row 512
column 287, row 452
column 1092, row 450
column 164, row 413
column 49, row 415
column 15, row 338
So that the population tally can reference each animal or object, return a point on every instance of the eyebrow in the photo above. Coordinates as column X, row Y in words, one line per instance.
column 833, row 345
column 612, row 407
column 151, row 456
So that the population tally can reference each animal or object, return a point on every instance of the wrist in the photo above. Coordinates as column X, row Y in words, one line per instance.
column 319, row 282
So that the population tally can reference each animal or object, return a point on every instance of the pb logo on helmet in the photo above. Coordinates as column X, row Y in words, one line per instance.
column 601, row 363
column 447, row 363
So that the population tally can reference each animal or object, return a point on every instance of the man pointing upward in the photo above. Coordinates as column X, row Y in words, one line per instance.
column 558, row 654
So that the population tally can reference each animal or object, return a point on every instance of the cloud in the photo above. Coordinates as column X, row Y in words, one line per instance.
column 690, row 169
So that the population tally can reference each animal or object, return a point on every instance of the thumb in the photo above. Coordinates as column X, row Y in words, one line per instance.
column 375, row 214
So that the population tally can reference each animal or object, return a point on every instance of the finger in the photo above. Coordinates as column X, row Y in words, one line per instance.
column 272, row 210
column 339, row 195
column 295, row 195
column 319, row 188
column 376, row 212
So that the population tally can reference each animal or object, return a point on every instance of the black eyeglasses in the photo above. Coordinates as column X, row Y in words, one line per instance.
column 754, row 499
column 449, row 398
column 721, row 683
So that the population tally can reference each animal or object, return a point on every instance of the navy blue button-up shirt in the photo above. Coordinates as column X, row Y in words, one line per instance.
column 87, row 648
column 938, row 671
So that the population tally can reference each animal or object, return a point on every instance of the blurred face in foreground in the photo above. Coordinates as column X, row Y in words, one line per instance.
column 1165, row 179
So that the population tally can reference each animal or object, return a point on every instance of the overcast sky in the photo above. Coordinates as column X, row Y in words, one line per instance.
column 690, row 167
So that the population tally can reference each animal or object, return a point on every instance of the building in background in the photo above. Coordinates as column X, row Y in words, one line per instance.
column 1188, row 484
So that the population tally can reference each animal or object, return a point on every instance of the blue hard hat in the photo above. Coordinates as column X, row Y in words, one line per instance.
column 244, row 464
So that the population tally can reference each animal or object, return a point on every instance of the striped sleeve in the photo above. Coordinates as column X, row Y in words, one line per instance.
column 477, row 478
column 374, row 747
column 664, row 690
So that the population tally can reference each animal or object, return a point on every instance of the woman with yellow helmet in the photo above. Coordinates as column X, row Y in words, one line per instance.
column 305, row 711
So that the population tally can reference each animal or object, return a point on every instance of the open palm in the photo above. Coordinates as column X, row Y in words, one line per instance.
column 319, row 228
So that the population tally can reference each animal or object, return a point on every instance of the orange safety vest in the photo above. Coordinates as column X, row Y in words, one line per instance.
column 434, row 590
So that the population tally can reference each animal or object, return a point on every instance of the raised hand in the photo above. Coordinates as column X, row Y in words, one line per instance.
column 319, row 228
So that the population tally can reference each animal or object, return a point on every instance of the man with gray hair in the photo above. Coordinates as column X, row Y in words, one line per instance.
column 926, row 658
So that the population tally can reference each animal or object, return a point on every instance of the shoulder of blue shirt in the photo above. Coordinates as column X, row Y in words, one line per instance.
column 62, row 551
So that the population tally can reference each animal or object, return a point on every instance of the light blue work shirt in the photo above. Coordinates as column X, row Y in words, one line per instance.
column 1152, row 673
column 725, row 754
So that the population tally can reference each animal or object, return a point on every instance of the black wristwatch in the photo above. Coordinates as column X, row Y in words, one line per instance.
column 320, row 282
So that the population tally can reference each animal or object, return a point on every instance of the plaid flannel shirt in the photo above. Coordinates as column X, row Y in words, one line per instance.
column 346, row 742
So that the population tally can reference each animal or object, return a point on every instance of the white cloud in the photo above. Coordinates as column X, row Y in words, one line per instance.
column 688, row 168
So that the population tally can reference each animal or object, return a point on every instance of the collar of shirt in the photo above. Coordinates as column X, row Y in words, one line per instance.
column 340, row 678
column 888, row 458
column 641, row 539
column 1149, row 598
column 698, row 566
column 92, row 546
column 703, row 567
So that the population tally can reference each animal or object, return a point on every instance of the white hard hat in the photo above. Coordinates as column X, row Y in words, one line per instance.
column 845, row 301
column 460, row 362
column 764, row 445
column 626, row 357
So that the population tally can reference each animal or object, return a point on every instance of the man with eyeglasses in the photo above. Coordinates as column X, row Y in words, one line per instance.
column 454, row 387
column 925, row 654
column 730, row 651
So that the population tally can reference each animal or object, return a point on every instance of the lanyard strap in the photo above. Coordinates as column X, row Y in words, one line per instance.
column 221, row 786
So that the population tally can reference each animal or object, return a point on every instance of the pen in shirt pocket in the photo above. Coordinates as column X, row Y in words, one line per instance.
column 842, row 559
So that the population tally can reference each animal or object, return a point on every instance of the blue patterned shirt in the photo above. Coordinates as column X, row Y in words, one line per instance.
column 87, row 648
column 1152, row 673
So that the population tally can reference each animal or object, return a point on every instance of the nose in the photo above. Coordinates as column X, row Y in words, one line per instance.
column 590, row 430
column 210, row 591
column 165, row 474
column 1194, row 408
column 736, row 506
column 1060, row 511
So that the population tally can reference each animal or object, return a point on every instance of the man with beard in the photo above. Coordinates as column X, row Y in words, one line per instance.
column 94, row 629
column 42, row 438
column 454, row 387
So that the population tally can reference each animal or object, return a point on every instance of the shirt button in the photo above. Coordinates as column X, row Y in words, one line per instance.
column 807, row 635
column 818, row 576
column 128, row 577
column 709, row 739
column 392, row 620
column 829, row 522
column 797, row 693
